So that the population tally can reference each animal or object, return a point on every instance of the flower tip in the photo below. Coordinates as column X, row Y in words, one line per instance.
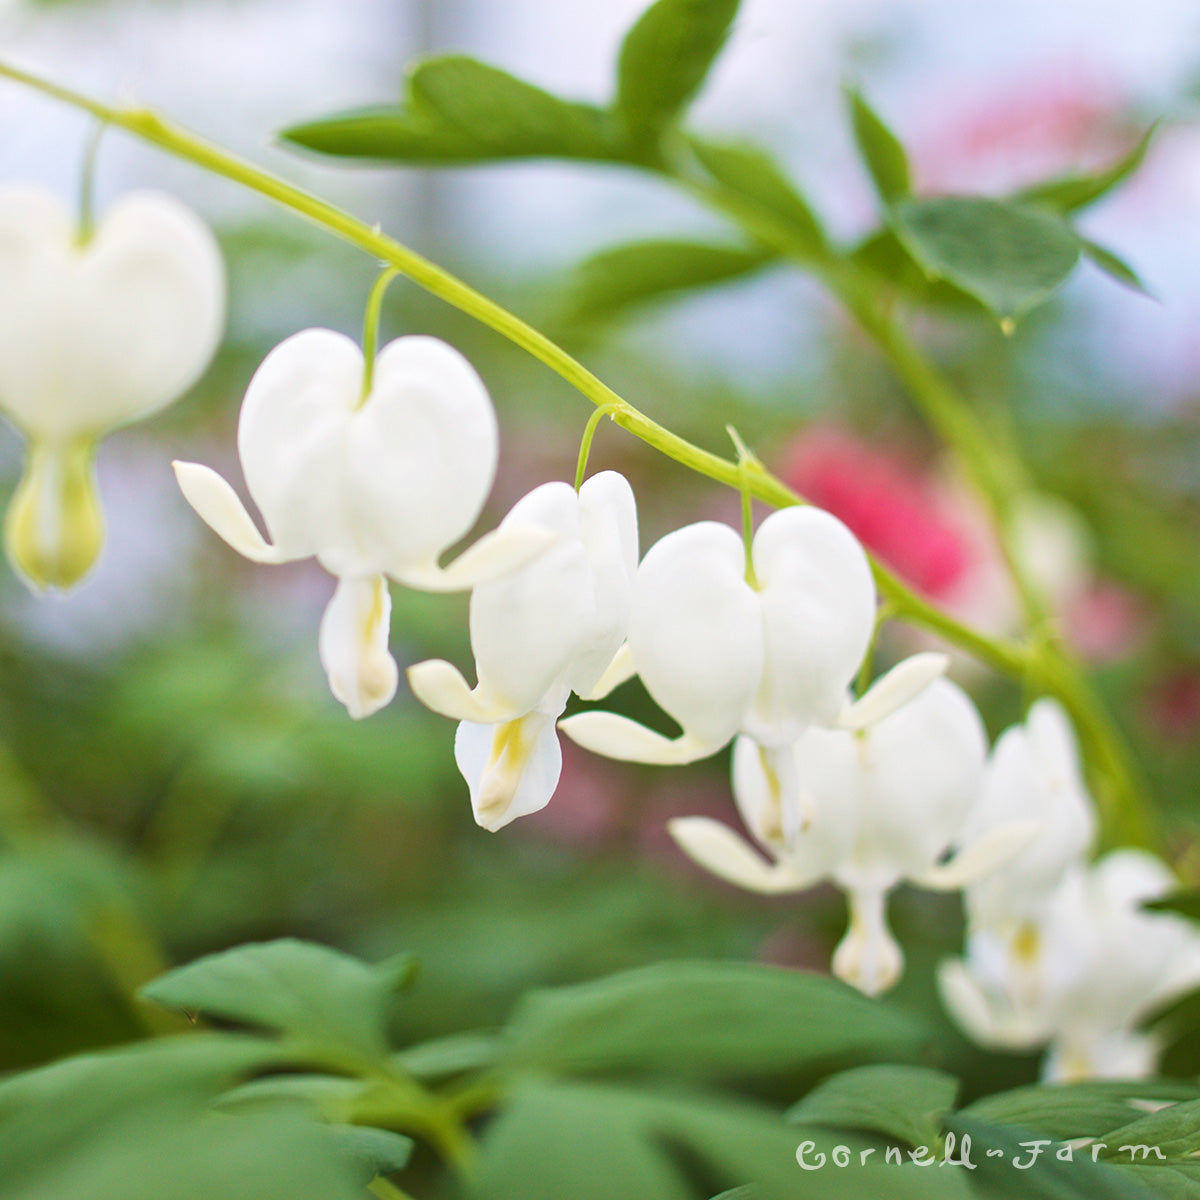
column 54, row 527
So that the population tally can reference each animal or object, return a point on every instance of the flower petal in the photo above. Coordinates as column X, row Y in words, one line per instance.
column 422, row 450
column 696, row 630
column 904, row 682
column 718, row 849
column 441, row 687
column 511, row 768
column 621, row 738
column 492, row 557
column 353, row 645
column 222, row 511
column 980, row 858
column 617, row 672
column 96, row 334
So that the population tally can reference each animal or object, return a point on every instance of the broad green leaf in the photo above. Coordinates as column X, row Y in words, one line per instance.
column 612, row 280
column 1113, row 266
column 664, row 59
column 1009, row 257
column 1174, row 1131
column 885, row 257
column 135, row 1124
column 1073, row 192
column 597, row 1142
column 297, row 988
column 750, row 174
column 997, row 1150
column 1075, row 1110
column 704, row 1019
column 903, row 1102
column 459, row 110
column 881, row 151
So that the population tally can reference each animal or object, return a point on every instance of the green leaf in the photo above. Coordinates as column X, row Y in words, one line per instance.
column 704, row 1019
column 664, row 59
column 1173, row 1130
column 881, row 151
column 297, row 988
column 450, row 1055
column 135, row 1124
column 882, row 254
column 459, row 110
column 903, row 1102
column 597, row 1142
column 615, row 279
column 1073, row 192
column 749, row 173
column 1007, row 256
column 1114, row 267
column 1077, row 1110
column 1046, row 1177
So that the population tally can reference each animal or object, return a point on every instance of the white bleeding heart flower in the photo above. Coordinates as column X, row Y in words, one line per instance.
column 724, row 655
column 552, row 627
column 876, row 806
column 1033, row 774
column 97, row 328
column 375, row 483
column 1089, row 968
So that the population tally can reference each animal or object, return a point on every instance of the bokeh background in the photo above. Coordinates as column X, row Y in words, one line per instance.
column 175, row 777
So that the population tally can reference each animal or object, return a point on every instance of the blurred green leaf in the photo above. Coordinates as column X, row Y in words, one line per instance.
column 751, row 174
column 135, row 1124
column 884, row 256
column 297, row 988
column 1077, row 1110
column 1173, row 1130
column 597, row 1141
column 881, row 151
column 1114, row 267
column 903, row 1102
column 704, row 1019
column 1185, row 902
column 448, row 1056
column 1073, row 192
column 62, row 903
column 459, row 110
column 664, row 59
column 1011, row 258
column 1046, row 1177
column 609, row 282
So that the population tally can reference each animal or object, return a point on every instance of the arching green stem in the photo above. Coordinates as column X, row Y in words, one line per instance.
column 370, row 338
column 585, row 443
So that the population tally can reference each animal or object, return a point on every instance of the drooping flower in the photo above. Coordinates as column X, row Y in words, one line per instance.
column 766, row 652
column 1033, row 774
column 553, row 627
column 875, row 806
column 375, row 484
column 97, row 328
column 1093, row 965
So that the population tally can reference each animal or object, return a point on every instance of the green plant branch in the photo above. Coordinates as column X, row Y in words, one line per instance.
column 1046, row 662
column 941, row 405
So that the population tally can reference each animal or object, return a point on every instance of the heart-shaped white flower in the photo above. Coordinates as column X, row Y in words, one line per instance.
column 551, row 628
column 724, row 655
column 95, row 331
column 374, row 485
column 874, row 807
